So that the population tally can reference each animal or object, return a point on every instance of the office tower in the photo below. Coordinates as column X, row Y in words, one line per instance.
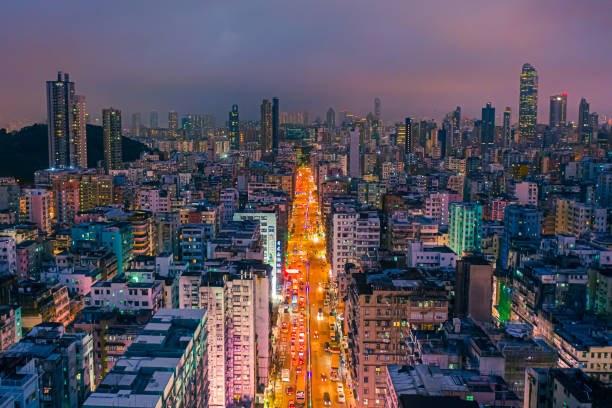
column 558, row 110
column 265, row 127
column 464, row 229
column 154, row 120
column 331, row 118
column 136, row 124
column 66, row 120
column 507, row 131
column 528, row 104
column 234, row 128
column 377, row 108
column 473, row 277
column 79, row 132
column 113, row 155
column 408, row 141
column 354, row 158
column 172, row 120
column 275, row 123
column 584, row 122
column 487, row 131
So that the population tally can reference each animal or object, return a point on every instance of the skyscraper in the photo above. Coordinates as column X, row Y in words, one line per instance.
column 507, row 131
column 528, row 104
column 558, row 110
column 265, row 127
column 113, row 155
column 456, row 136
column 172, row 120
column 66, row 120
column 408, row 141
column 465, row 227
column 136, row 123
column 487, row 133
column 331, row 118
column 377, row 107
column 354, row 158
column 79, row 132
column 584, row 122
column 275, row 122
column 234, row 128
column 154, row 120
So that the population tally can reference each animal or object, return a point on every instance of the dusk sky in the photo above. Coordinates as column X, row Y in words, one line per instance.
column 422, row 58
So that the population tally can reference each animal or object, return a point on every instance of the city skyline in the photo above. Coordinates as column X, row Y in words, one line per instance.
column 308, row 66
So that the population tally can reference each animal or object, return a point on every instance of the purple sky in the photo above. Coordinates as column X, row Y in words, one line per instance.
column 422, row 58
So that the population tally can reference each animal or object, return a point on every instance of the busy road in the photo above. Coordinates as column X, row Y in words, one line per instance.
column 308, row 358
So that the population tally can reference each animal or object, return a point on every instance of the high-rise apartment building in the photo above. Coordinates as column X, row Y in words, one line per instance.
column 473, row 283
column 354, row 236
column 354, row 157
column 66, row 120
column 409, row 142
column 506, row 129
column 275, row 124
column 465, row 227
column 528, row 104
column 37, row 207
column 487, row 131
column 79, row 132
column 172, row 120
column 331, row 119
column 236, row 297
column 113, row 151
column 380, row 311
column 154, row 120
column 522, row 222
column 234, row 129
column 265, row 127
column 585, row 130
column 558, row 110
column 136, row 123
column 437, row 204
column 456, row 122
column 526, row 192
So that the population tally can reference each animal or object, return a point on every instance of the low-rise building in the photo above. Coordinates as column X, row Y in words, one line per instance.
column 165, row 366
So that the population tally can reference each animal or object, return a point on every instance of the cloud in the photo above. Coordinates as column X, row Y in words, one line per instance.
column 420, row 58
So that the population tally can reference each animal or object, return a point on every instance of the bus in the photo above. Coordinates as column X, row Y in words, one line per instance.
column 335, row 364
column 300, row 394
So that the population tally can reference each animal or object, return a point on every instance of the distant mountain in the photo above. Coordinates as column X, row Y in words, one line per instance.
column 25, row 151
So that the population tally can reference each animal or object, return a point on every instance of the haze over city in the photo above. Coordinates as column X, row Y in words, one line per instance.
column 420, row 58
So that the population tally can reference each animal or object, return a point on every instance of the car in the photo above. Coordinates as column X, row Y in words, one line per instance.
column 326, row 399
column 316, row 334
column 289, row 390
column 323, row 377
column 298, row 370
column 341, row 397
